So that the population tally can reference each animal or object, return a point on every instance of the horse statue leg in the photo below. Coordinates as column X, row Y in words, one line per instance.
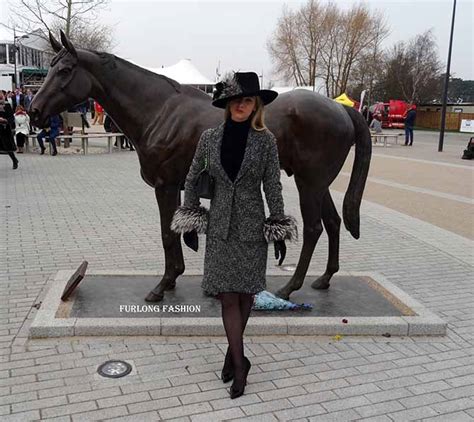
column 332, row 224
column 168, row 198
column 310, row 203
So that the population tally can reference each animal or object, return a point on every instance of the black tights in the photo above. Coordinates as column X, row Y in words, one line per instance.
column 236, row 309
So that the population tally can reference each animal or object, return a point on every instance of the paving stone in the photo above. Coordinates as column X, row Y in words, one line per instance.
column 225, row 403
column 319, row 397
column 63, row 390
column 269, row 406
column 265, row 417
column 68, row 409
column 124, row 399
column 66, row 418
column 94, row 395
column 379, row 408
column 203, row 396
column 356, row 390
column 103, row 414
column 459, row 392
column 453, row 405
column 461, row 381
column 299, row 412
column 218, row 415
column 157, row 404
column 347, row 403
column 75, row 221
column 429, row 387
column 413, row 414
column 341, row 416
column 38, row 404
column 455, row 417
column 181, row 390
column 421, row 400
column 190, row 409
column 15, row 398
column 22, row 416
column 282, row 393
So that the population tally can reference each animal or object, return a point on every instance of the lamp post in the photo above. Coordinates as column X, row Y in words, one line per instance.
column 446, row 83
column 15, row 50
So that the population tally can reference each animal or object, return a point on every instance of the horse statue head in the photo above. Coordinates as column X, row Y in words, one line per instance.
column 67, row 83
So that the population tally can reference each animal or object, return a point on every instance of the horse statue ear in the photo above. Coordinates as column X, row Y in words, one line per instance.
column 57, row 47
column 68, row 44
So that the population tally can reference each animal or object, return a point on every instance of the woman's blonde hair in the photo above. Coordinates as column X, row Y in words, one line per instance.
column 258, row 116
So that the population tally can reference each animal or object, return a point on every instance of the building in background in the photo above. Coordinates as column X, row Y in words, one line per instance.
column 33, row 57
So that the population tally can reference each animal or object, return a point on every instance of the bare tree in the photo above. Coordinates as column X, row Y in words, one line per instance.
column 77, row 18
column 321, row 41
column 355, row 38
column 412, row 70
column 369, row 69
column 285, row 49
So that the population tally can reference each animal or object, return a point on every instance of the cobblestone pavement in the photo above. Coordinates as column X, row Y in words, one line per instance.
column 58, row 211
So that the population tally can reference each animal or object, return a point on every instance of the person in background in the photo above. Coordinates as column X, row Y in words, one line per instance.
column 410, row 117
column 111, row 127
column 90, row 107
column 98, row 114
column 18, row 99
column 368, row 116
column 82, row 108
column 376, row 125
column 55, row 124
column 22, row 127
column 7, row 123
column 28, row 98
column 9, row 99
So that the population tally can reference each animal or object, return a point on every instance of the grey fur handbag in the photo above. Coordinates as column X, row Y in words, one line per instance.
column 205, row 182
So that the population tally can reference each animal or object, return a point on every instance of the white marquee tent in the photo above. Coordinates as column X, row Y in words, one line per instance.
column 183, row 72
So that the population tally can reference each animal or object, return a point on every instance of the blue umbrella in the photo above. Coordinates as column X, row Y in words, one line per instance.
column 266, row 301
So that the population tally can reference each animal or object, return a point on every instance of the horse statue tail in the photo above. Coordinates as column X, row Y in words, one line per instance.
column 360, row 169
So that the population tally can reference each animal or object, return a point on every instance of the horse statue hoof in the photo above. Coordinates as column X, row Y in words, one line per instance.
column 283, row 294
column 320, row 284
column 153, row 297
column 171, row 286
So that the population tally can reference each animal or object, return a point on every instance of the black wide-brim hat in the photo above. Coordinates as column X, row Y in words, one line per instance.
column 241, row 84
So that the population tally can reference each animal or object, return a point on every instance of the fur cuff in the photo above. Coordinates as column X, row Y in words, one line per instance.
column 187, row 219
column 280, row 228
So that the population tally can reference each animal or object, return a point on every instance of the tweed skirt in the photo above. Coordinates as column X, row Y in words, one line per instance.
column 233, row 265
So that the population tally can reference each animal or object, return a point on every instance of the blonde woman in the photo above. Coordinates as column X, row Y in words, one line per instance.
column 243, row 154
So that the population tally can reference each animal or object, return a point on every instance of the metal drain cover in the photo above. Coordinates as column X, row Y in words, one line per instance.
column 114, row 369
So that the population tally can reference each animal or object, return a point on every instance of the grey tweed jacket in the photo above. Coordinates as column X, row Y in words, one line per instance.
column 240, row 201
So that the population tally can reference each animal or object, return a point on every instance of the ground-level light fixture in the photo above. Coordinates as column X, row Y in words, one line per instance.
column 114, row 369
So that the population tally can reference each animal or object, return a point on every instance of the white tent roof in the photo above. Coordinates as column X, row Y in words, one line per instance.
column 183, row 72
column 282, row 89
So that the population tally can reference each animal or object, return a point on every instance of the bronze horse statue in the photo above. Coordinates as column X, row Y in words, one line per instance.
column 164, row 120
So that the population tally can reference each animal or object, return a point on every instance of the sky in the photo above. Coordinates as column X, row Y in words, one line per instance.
column 158, row 33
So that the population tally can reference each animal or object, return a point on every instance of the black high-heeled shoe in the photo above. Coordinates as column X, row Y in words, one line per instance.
column 238, row 390
column 228, row 370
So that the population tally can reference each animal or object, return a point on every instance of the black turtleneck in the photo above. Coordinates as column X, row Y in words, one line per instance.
column 233, row 146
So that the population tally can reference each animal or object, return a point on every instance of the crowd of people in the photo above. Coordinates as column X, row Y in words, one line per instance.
column 15, row 124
